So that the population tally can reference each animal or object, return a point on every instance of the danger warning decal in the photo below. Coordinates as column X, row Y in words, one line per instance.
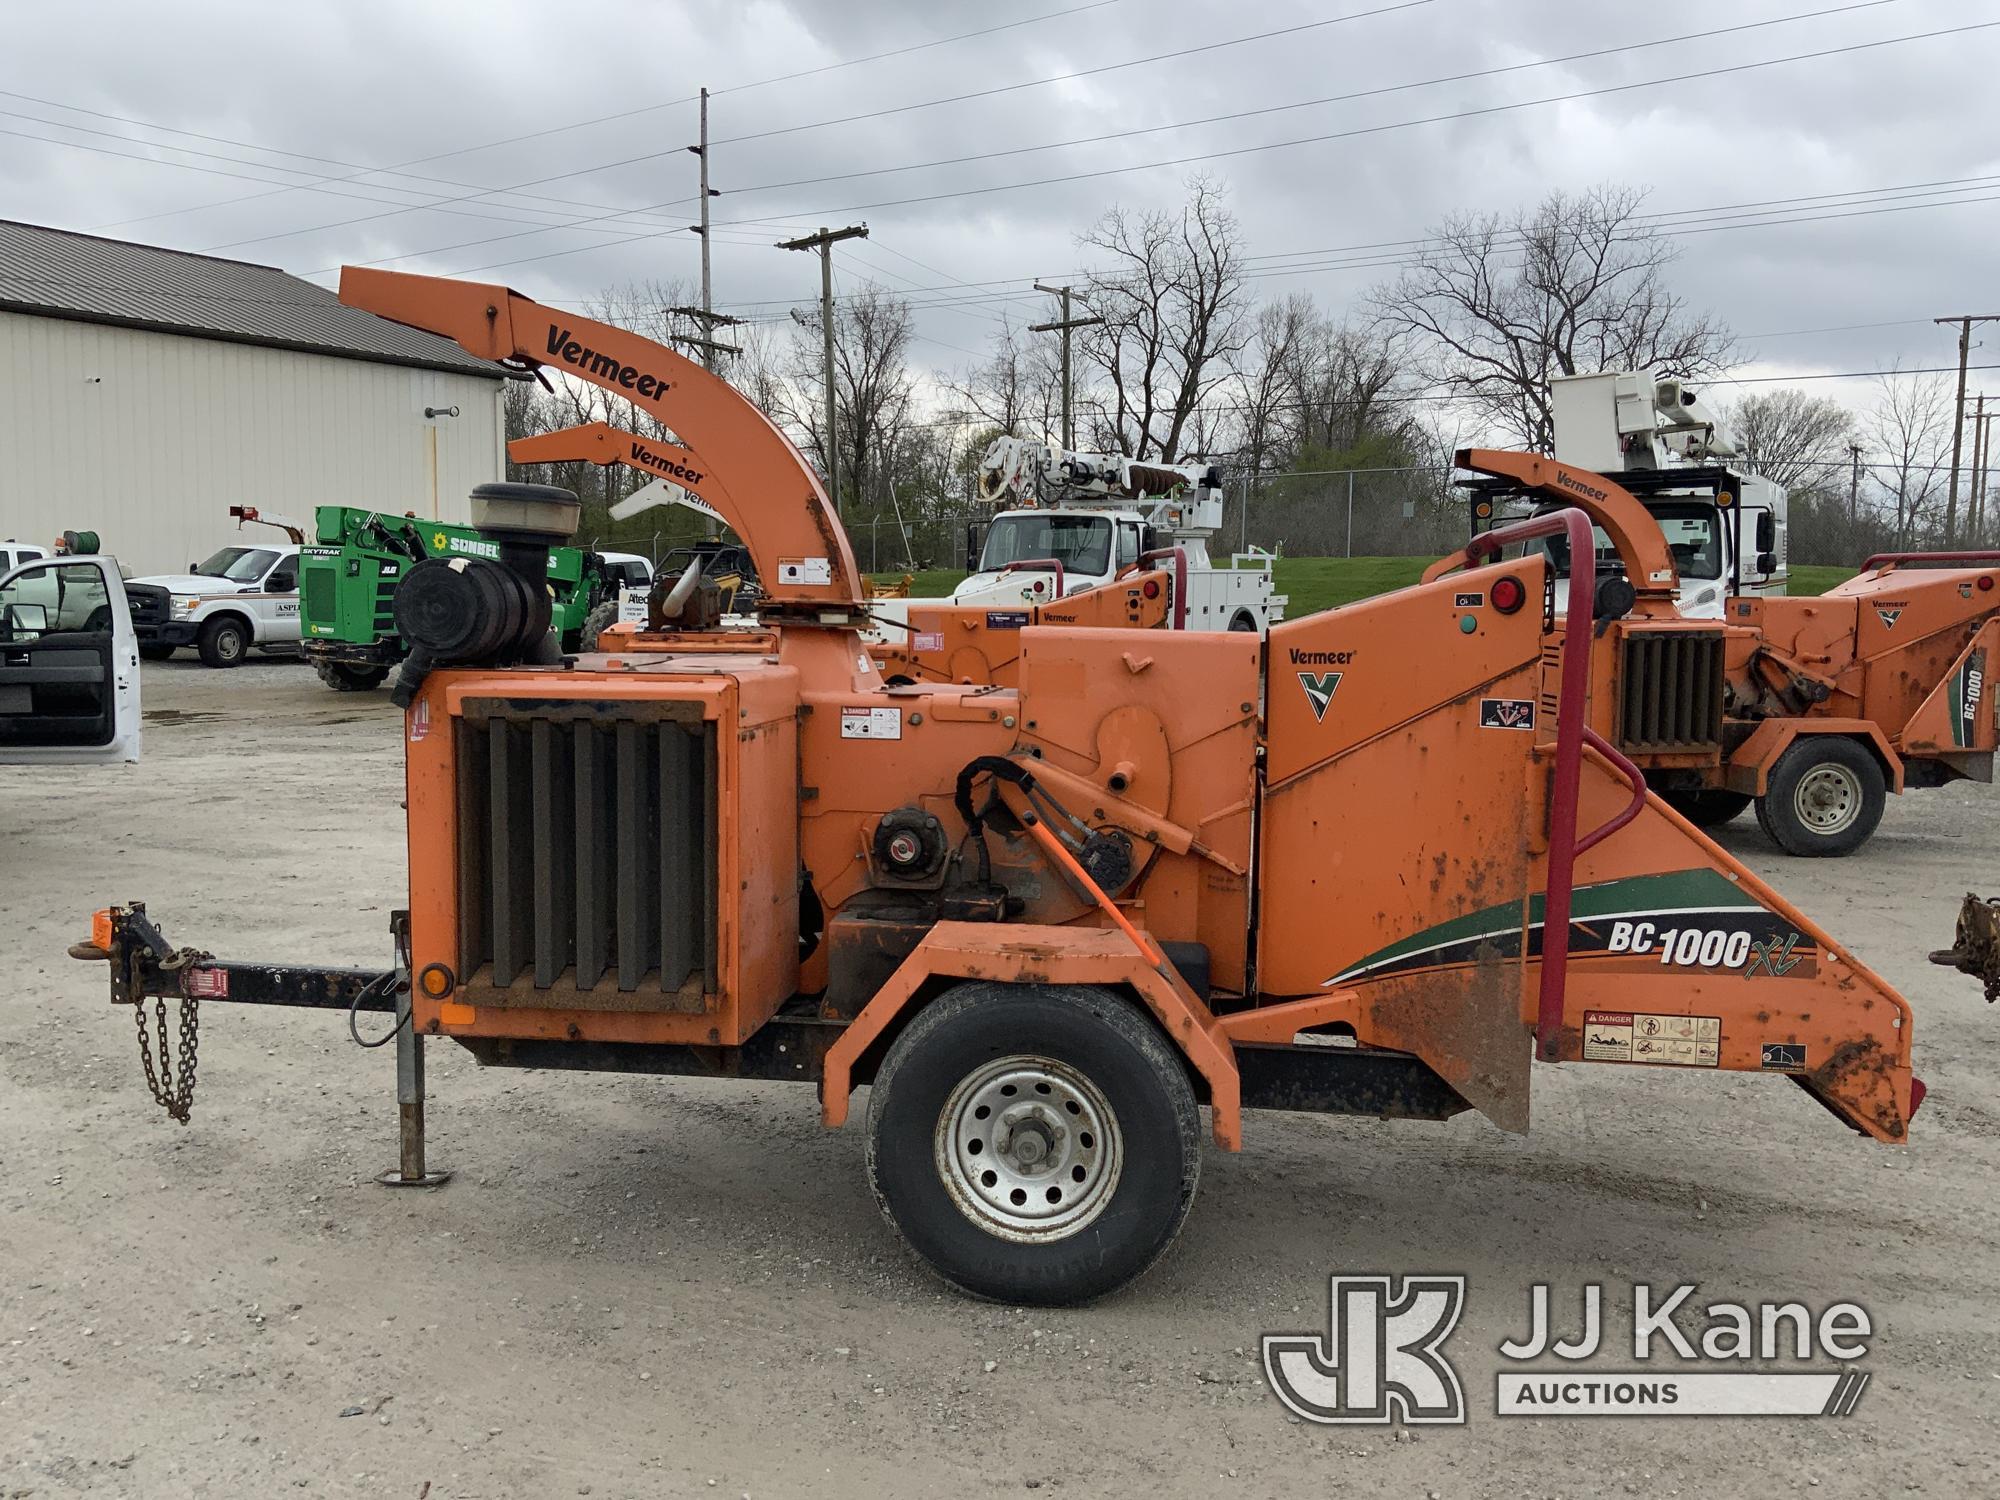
column 1672, row 1041
column 1687, row 920
column 1320, row 688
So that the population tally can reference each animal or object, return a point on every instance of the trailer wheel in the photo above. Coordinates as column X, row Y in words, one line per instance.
column 343, row 677
column 1034, row 1143
column 1244, row 621
column 1708, row 809
column 1825, row 796
column 224, row 642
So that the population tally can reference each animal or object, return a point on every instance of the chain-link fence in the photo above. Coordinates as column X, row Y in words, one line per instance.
column 1401, row 512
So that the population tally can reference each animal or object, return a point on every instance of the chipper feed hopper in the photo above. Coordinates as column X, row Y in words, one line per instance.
column 1380, row 863
column 1812, row 708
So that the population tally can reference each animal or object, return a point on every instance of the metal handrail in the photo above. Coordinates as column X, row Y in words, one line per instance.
column 1571, row 708
column 1179, row 555
column 1883, row 559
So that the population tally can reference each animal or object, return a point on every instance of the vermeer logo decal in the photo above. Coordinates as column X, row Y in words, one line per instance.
column 1888, row 617
column 659, row 463
column 607, row 368
column 1320, row 688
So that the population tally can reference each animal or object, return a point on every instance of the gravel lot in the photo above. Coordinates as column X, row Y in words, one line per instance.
column 654, row 1287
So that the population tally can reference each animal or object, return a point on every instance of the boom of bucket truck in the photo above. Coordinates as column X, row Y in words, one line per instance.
column 1066, row 523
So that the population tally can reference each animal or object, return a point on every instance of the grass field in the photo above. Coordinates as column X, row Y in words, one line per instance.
column 1315, row 583
column 1805, row 580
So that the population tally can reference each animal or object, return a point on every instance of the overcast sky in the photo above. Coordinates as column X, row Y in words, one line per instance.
column 438, row 88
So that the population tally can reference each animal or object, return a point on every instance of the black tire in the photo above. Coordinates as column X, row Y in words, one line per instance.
column 155, row 652
column 1708, row 809
column 1099, row 1060
column 224, row 642
column 596, row 623
column 1825, row 796
column 1243, row 621
column 345, row 677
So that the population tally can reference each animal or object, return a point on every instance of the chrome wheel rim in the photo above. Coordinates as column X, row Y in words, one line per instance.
column 1029, row 1149
column 1827, row 799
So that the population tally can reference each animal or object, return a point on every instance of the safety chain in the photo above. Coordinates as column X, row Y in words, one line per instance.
column 172, row 1083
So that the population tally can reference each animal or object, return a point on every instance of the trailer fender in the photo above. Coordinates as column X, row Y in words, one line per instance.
column 1026, row 953
column 1749, row 766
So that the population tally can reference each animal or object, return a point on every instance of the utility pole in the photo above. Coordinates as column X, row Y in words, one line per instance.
column 1964, row 322
column 705, row 341
column 1063, row 327
column 1854, row 484
column 824, row 242
column 1982, row 460
column 705, row 314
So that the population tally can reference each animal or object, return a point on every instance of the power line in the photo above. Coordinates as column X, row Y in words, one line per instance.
column 417, row 161
column 1245, row 114
column 1703, row 75
column 678, row 202
column 1206, row 49
column 1667, row 220
column 990, row 189
column 223, row 140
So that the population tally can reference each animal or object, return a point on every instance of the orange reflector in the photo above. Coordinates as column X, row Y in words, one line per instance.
column 435, row 981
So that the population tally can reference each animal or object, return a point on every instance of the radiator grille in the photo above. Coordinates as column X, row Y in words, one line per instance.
column 586, row 854
column 1671, row 691
column 148, row 603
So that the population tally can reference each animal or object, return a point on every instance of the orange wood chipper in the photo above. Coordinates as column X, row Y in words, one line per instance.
column 1379, row 863
column 1812, row 708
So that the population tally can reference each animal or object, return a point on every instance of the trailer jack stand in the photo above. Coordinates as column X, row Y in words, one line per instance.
column 410, row 1171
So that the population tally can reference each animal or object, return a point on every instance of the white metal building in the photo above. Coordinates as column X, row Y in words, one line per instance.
column 144, row 391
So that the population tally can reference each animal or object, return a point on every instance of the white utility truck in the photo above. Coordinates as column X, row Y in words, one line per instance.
column 1067, row 522
column 1728, row 527
column 238, row 598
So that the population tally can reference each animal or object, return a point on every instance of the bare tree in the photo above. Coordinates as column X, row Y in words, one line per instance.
column 874, row 385
column 1791, row 438
column 1016, row 390
column 1266, row 372
column 1174, row 314
column 1499, row 305
column 1910, row 428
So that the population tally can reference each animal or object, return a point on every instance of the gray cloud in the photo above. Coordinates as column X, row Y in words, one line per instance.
column 380, row 83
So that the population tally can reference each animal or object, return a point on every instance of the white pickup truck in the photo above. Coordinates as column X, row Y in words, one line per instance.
column 69, row 663
column 241, row 597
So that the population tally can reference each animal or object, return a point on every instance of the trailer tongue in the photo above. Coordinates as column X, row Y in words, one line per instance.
column 1378, row 865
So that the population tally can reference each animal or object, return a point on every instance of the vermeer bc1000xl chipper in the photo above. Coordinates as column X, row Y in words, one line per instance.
column 1377, row 864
